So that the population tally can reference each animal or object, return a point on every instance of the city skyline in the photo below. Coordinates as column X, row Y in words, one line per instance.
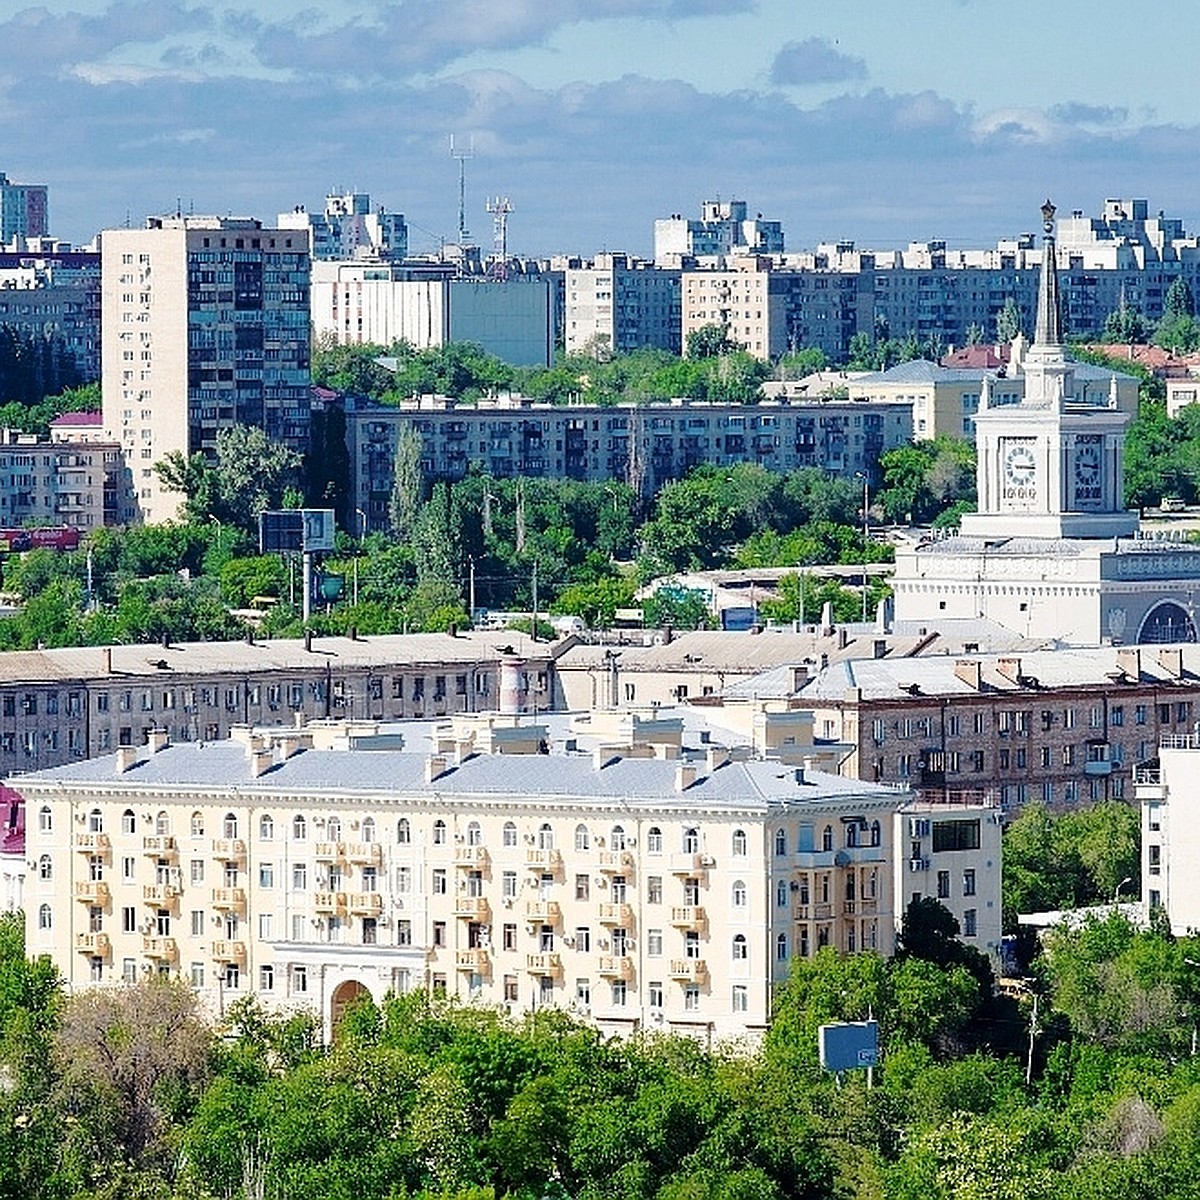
column 840, row 124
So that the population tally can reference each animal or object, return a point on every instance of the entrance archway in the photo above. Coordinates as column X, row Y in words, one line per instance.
column 343, row 996
column 1167, row 622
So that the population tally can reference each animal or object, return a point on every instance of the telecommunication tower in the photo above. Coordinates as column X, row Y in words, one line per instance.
column 457, row 152
column 499, row 208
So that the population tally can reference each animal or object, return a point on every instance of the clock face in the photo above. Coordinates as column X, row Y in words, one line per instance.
column 1087, row 465
column 1020, row 466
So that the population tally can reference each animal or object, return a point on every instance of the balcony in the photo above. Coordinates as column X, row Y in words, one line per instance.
column 327, row 852
column 801, row 912
column 690, row 864
column 616, row 966
column 229, row 899
column 229, row 952
column 471, row 857
column 823, row 912
column 1098, row 767
column 92, row 891
column 92, row 843
column 363, row 853
column 613, row 861
column 546, row 912
column 549, row 861
column 162, row 895
column 365, row 904
column 689, row 970
column 160, row 947
column 473, row 908
column 690, row 916
column 329, row 902
column 543, row 964
column 618, row 914
column 478, row 962
column 859, row 908
column 95, row 944
column 230, row 849
column 160, row 847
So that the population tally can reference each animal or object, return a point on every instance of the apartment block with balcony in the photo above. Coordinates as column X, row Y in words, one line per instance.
column 615, row 303
column 641, row 887
column 1166, row 791
column 70, row 480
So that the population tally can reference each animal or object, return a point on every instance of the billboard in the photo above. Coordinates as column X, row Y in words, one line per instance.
column 309, row 530
column 849, row 1045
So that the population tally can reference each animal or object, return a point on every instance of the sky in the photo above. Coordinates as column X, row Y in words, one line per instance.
column 877, row 121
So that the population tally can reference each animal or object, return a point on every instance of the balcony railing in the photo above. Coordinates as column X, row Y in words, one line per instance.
column 543, row 860
column 547, row 912
column 473, row 908
column 690, row 916
column 543, row 964
column 478, row 962
column 470, row 857
column 92, row 843
column 96, row 944
column 230, row 849
column 616, row 966
column 616, row 914
column 329, row 902
column 690, row 864
column 92, row 891
column 365, row 904
column 229, row 898
column 689, row 970
column 613, row 861
column 160, row 947
column 161, row 846
column 160, row 894
column 229, row 952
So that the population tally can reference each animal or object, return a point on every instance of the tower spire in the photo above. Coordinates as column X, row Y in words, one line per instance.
column 1049, row 312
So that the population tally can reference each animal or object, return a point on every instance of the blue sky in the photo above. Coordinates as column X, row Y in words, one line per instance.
column 878, row 121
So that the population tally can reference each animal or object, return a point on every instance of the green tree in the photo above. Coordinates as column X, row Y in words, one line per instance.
column 193, row 478
column 710, row 341
column 252, row 473
column 1008, row 321
column 408, row 483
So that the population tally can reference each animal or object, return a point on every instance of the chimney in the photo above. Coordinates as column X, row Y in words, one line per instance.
column 127, row 756
column 1129, row 659
column 261, row 761
column 843, row 639
column 1170, row 658
column 107, row 660
column 685, row 776
column 799, row 677
column 157, row 740
column 435, row 767
column 352, row 633
column 800, row 778
column 970, row 671
column 308, row 641
column 827, row 619
column 1009, row 668
column 880, row 648
column 715, row 757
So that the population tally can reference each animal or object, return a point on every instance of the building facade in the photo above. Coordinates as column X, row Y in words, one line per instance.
column 205, row 325
column 645, row 445
column 350, row 228
column 615, row 303
column 24, row 210
column 724, row 228
column 1166, row 792
column 68, row 480
column 47, row 291
column 642, row 889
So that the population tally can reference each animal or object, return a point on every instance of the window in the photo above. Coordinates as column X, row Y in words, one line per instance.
column 969, row 922
column 780, row 843
column 299, row 980
column 266, row 828
column 956, row 835
column 509, row 937
column 333, row 829
column 45, row 819
column 654, row 943
column 691, row 840
column 943, row 885
column 876, row 833
column 509, row 837
column 95, row 821
column 654, row 993
column 196, row 917
column 739, row 893
column 474, row 834
column 582, row 840
column 827, row 838
column 45, row 917
column 439, row 934
column 617, row 841
column 266, row 978
column 368, row 831
column 128, row 821
column 583, row 885
column 403, row 832
column 404, row 880
column 266, row 875
column 654, row 840
column 439, row 832
column 691, row 998
column 968, row 882
column 45, row 867
column 129, row 919
column 740, row 997
column 265, row 926
column 197, row 825
column 545, row 837
column 299, row 877
column 781, row 894
column 619, row 993
column 439, row 881
column 404, row 932
column 740, row 949
column 229, row 827
column 739, row 843
column 781, row 948
column 509, row 885
column 654, row 889
column 299, row 828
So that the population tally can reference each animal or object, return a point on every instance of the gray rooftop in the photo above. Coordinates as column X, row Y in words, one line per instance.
column 353, row 775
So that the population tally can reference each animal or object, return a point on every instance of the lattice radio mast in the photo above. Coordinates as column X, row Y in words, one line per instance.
column 499, row 208
column 457, row 152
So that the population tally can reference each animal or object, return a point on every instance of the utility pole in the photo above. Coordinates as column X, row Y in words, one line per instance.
column 471, row 569
column 533, row 623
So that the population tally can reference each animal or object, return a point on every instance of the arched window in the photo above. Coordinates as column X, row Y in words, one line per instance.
column 876, row 833
column 128, row 821
column 197, row 824
column 781, row 894
column 95, row 821
column 691, row 840
column 333, row 829
column 474, row 834
column 45, row 867
column 618, row 838
column 45, row 819
column 439, row 832
column 852, row 834
column 368, row 829
column 229, row 826
column 740, row 949
column 739, row 893
column 781, row 947
column 583, row 839
column 509, row 837
column 299, row 827
column 266, row 827
column 45, row 917
column 780, row 843
column 403, row 832
column 654, row 840
column 545, row 837
column 739, row 843
column 162, row 825
column 827, row 838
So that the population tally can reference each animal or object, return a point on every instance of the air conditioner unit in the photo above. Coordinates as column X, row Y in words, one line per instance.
column 657, row 1017
column 529, row 838
column 507, row 902
column 601, row 882
column 631, row 842
column 602, row 943
column 568, row 940
column 599, row 839
column 707, row 860
column 458, row 837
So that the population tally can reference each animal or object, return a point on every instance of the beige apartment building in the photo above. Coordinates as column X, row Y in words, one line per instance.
column 749, row 300
column 204, row 325
column 60, row 705
column 73, row 481
column 642, row 885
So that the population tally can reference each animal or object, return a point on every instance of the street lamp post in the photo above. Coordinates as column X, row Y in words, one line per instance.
column 362, row 524
column 217, row 522
column 1117, row 893
column 866, row 532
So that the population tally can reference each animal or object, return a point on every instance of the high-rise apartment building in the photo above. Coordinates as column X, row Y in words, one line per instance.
column 24, row 210
column 615, row 303
column 204, row 325
column 350, row 228
column 724, row 227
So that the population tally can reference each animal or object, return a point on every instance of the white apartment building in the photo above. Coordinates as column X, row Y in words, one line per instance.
column 750, row 301
column 643, row 885
column 1166, row 790
column 724, row 228
column 350, row 228
column 204, row 325
column 615, row 303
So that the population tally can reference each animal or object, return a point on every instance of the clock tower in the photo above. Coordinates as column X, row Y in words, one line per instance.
column 1051, row 466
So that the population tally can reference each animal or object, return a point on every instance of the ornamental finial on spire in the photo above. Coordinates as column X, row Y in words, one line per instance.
column 1048, row 211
